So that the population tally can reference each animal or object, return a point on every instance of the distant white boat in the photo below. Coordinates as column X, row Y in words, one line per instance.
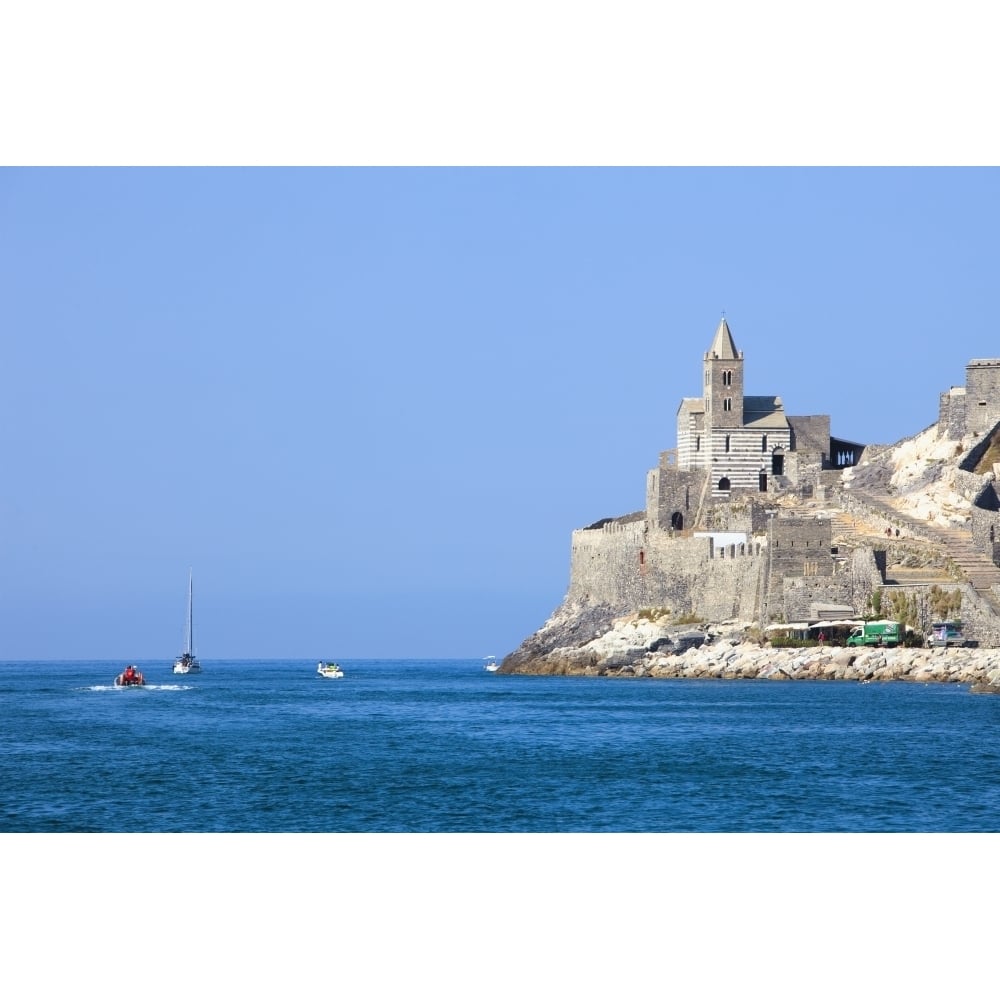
column 490, row 664
column 331, row 670
column 187, row 663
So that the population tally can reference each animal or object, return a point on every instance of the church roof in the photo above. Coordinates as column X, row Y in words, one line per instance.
column 691, row 406
column 722, row 343
column 764, row 412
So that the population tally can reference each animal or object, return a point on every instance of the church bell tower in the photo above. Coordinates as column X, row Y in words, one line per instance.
column 723, row 382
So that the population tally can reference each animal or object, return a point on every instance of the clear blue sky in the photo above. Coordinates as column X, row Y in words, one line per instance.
column 369, row 406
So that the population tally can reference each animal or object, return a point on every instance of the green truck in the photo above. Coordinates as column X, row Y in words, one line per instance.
column 876, row 634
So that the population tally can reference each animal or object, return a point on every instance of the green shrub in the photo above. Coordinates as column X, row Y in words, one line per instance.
column 688, row 619
column 945, row 604
column 653, row 614
column 876, row 600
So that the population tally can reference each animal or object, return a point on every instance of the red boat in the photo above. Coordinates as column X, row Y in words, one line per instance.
column 130, row 677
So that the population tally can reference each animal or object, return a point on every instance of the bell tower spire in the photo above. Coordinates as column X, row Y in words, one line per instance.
column 723, row 381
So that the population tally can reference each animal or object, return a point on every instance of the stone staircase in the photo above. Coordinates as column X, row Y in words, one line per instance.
column 843, row 523
column 956, row 543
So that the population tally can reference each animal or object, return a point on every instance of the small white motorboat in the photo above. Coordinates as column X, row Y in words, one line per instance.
column 490, row 664
column 332, row 670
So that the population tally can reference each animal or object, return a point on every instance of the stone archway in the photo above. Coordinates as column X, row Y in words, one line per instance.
column 777, row 462
column 677, row 520
column 724, row 484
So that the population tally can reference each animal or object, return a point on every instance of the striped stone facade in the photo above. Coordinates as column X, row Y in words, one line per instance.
column 741, row 440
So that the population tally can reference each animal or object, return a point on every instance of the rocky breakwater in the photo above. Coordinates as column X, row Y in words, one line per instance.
column 637, row 647
column 980, row 669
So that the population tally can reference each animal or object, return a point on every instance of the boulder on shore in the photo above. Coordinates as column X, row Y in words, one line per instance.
column 593, row 642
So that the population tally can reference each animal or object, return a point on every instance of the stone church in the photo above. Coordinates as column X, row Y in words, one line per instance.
column 729, row 443
column 716, row 540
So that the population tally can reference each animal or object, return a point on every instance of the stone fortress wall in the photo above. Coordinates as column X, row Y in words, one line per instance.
column 982, row 395
column 672, row 555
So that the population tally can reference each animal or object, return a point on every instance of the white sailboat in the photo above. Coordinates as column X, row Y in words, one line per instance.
column 187, row 663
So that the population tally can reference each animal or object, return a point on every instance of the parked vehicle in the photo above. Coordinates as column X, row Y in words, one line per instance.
column 882, row 633
column 946, row 634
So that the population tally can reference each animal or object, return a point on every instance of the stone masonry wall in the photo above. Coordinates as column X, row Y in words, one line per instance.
column 605, row 565
column 671, row 491
column 800, row 547
column 799, row 594
column 982, row 394
column 811, row 437
column 951, row 414
column 630, row 567
column 986, row 531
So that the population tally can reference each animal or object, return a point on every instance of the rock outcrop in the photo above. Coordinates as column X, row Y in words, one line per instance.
column 635, row 646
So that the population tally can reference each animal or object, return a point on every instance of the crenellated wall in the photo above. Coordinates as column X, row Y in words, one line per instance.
column 629, row 566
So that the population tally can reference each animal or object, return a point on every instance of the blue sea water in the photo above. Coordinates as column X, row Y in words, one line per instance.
column 433, row 746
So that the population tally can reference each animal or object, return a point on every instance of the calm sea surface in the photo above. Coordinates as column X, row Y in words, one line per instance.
column 441, row 745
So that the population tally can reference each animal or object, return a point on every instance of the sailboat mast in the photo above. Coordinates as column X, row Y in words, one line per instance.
column 190, row 615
